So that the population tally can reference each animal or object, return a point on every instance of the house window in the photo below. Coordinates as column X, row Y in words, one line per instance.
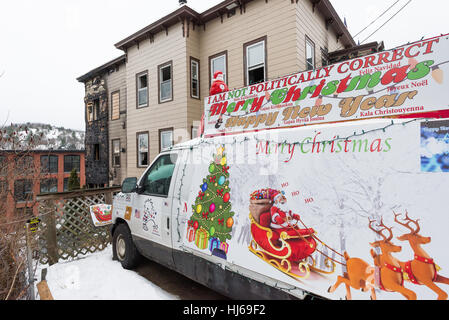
column 165, row 82
column 49, row 164
column 23, row 190
column 142, row 90
column 25, row 165
column 194, row 78
column 3, row 188
column 218, row 63
column 96, row 109
column 66, row 184
column 70, row 162
column 310, row 54
column 255, row 61
column 116, row 153
column 90, row 112
column 115, row 105
column 49, row 185
column 142, row 149
column 324, row 57
column 96, row 152
column 194, row 132
column 165, row 138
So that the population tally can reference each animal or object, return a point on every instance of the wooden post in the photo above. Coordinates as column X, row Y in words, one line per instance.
column 29, row 263
column 108, row 197
column 52, row 246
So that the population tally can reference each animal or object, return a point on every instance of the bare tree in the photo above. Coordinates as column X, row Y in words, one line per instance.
column 18, row 174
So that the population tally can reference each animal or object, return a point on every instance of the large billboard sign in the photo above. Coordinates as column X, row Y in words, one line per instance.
column 407, row 80
column 362, row 217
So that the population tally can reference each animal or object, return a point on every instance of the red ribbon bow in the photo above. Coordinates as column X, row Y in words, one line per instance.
column 205, row 214
column 220, row 192
column 221, row 221
column 190, row 223
column 201, row 195
column 225, row 169
column 212, row 179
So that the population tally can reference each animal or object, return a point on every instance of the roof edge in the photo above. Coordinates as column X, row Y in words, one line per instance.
column 94, row 72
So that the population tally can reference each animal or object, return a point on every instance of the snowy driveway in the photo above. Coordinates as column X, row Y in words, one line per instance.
column 97, row 277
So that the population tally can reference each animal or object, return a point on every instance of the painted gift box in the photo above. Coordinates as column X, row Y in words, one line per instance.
column 214, row 243
column 201, row 238
column 190, row 234
column 224, row 246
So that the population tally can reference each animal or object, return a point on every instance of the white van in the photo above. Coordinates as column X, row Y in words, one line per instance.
column 287, row 213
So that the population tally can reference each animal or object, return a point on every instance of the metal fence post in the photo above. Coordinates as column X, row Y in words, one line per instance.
column 29, row 263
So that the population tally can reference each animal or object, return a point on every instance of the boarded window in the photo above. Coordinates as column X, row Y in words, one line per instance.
column 115, row 105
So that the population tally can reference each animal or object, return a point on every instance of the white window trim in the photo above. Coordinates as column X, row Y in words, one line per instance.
column 192, row 62
column 312, row 45
column 141, row 89
column 248, row 68
column 225, row 76
column 166, row 81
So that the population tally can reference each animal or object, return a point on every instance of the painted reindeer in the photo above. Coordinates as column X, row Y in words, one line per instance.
column 359, row 275
column 391, row 276
column 422, row 269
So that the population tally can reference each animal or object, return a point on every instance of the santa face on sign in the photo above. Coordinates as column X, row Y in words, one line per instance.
column 218, row 85
column 281, row 217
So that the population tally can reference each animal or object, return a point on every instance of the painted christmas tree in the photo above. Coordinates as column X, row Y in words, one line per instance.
column 211, row 222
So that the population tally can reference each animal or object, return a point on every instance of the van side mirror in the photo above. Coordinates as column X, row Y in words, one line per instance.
column 129, row 185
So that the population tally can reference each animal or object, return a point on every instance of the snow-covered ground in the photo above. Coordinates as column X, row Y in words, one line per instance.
column 97, row 277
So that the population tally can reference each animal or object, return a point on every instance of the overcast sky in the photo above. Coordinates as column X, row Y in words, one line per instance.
column 47, row 44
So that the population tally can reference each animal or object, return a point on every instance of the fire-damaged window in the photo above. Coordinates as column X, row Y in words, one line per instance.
column 96, row 109
column 23, row 190
column 255, row 61
column 116, row 153
column 165, row 82
column 70, row 162
column 96, row 152
column 310, row 54
column 142, row 89
column 142, row 149
column 324, row 57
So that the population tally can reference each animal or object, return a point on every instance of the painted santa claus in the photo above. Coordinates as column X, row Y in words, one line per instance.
column 218, row 84
column 283, row 220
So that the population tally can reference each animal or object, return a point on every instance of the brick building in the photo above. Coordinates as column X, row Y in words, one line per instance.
column 24, row 175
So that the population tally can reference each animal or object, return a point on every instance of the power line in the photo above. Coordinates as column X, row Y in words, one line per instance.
column 376, row 19
column 386, row 21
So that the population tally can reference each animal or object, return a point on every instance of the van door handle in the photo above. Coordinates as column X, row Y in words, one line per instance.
column 168, row 223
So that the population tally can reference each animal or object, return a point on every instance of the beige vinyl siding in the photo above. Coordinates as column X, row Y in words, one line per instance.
column 274, row 19
column 194, row 106
column 313, row 25
column 156, row 116
column 116, row 82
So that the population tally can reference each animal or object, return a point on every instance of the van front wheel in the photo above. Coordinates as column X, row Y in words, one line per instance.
column 124, row 248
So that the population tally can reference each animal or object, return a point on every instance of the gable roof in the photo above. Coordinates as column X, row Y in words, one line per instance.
column 325, row 7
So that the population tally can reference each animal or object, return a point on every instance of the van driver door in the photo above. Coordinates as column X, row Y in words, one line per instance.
column 153, row 203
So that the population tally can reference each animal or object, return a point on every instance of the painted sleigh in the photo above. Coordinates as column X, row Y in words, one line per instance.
column 291, row 254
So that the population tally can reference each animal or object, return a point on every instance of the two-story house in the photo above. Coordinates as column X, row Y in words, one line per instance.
column 167, row 68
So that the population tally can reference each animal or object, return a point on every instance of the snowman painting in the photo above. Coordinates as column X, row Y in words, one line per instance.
column 150, row 217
